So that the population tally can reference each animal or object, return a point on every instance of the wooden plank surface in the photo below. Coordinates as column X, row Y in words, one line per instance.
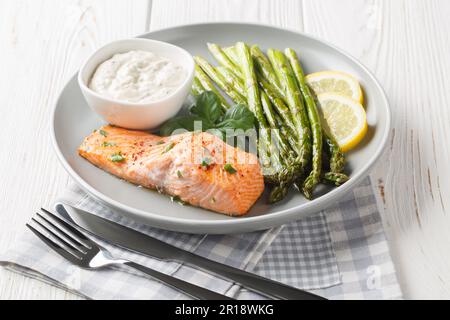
column 404, row 42
column 167, row 13
column 406, row 45
column 43, row 45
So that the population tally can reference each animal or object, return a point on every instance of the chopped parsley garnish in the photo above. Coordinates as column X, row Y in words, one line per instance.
column 229, row 168
column 117, row 157
column 108, row 144
column 103, row 133
column 178, row 200
column 169, row 147
column 206, row 162
column 160, row 142
column 179, row 174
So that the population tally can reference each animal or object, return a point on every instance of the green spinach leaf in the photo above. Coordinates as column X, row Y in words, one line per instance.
column 208, row 107
column 183, row 122
column 237, row 117
column 207, row 110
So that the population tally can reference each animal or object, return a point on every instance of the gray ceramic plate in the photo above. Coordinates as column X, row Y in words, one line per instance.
column 73, row 120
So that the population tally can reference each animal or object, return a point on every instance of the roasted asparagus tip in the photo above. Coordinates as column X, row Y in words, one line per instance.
column 278, row 193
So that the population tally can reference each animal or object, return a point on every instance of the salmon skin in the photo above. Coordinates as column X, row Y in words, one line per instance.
column 198, row 168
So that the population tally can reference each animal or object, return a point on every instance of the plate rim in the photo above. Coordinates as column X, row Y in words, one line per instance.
column 261, row 221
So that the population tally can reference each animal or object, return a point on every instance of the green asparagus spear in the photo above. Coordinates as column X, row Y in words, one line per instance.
column 249, row 74
column 208, row 86
column 274, row 97
column 316, row 128
column 219, row 80
column 270, row 86
column 274, row 94
column 249, row 77
column 278, row 193
column 265, row 68
column 223, row 59
column 287, row 171
column 292, row 165
column 337, row 158
column 278, row 103
column 287, row 132
column 295, row 103
column 231, row 79
column 231, row 54
column 286, row 153
column 254, row 103
column 269, row 167
column 197, row 87
column 335, row 178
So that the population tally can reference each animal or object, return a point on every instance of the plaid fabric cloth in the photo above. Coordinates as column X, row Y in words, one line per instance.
column 302, row 255
column 341, row 253
column 360, row 248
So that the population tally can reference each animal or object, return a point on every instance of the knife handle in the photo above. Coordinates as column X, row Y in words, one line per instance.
column 178, row 284
column 258, row 284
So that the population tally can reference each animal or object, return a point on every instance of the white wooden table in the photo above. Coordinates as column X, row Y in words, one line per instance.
column 406, row 43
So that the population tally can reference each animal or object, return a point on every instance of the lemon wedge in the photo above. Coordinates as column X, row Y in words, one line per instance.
column 344, row 118
column 336, row 82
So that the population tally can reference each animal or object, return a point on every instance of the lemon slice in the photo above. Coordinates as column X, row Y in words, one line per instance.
column 345, row 119
column 336, row 82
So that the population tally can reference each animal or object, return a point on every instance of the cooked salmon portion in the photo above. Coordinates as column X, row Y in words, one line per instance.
column 198, row 168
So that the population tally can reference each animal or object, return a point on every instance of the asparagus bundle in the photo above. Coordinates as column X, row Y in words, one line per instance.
column 295, row 103
column 242, row 77
column 316, row 128
column 201, row 79
column 299, row 151
column 219, row 80
column 255, row 102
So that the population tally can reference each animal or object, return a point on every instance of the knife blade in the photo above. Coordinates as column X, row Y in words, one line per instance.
column 133, row 240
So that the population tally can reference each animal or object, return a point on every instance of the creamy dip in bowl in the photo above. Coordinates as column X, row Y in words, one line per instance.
column 137, row 83
column 137, row 76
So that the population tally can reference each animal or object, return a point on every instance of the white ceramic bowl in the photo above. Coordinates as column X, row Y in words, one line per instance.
column 148, row 115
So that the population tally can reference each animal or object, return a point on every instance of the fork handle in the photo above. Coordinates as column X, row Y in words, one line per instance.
column 178, row 284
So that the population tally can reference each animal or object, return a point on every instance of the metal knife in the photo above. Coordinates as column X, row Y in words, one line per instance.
column 130, row 239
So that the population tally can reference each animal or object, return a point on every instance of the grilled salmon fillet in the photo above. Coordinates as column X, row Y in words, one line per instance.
column 199, row 168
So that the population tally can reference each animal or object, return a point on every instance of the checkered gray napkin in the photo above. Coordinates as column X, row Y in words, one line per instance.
column 339, row 253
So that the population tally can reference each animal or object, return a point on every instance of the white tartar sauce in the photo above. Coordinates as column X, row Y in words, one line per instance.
column 137, row 76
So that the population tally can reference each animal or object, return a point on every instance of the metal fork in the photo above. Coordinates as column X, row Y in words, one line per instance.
column 82, row 251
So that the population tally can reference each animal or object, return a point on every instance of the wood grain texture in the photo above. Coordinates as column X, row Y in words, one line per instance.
column 43, row 45
column 167, row 13
column 406, row 44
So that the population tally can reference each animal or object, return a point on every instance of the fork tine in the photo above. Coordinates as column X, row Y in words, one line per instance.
column 72, row 229
column 66, row 243
column 56, row 247
column 65, row 232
